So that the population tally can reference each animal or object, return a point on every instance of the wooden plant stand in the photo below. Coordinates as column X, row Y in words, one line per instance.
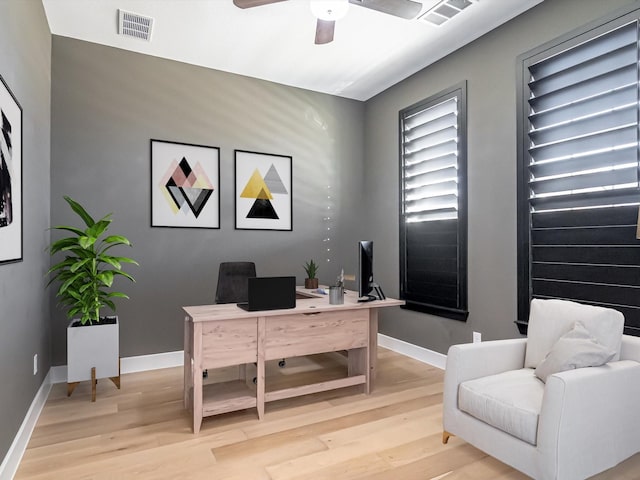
column 94, row 382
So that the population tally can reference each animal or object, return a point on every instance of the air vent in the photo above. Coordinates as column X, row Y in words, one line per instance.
column 444, row 11
column 134, row 25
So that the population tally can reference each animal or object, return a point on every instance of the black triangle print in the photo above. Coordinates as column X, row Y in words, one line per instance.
column 262, row 208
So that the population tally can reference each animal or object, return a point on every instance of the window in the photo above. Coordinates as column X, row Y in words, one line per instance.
column 578, row 172
column 433, row 206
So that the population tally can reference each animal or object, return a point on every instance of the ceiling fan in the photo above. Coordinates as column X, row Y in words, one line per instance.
column 328, row 11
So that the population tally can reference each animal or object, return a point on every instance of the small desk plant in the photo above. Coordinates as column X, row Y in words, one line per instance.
column 85, row 278
column 311, row 268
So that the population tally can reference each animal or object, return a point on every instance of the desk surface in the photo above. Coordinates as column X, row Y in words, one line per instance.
column 315, row 303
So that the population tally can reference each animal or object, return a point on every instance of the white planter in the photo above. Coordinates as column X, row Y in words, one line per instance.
column 92, row 346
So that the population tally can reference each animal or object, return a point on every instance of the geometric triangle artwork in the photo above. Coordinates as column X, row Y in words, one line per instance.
column 274, row 182
column 188, row 188
column 262, row 208
column 196, row 198
column 256, row 187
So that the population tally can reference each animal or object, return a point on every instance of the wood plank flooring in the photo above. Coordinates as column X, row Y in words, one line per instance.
column 143, row 432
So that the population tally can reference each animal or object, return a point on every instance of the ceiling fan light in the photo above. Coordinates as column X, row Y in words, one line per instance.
column 329, row 9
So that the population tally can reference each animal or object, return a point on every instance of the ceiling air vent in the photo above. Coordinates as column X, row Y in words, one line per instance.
column 445, row 10
column 134, row 25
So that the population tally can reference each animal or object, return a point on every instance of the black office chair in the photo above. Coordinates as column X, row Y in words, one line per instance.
column 233, row 281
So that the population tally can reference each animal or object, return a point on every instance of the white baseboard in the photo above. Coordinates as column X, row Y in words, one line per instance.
column 143, row 363
column 140, row 363
column 421, row 354
column 11, row 461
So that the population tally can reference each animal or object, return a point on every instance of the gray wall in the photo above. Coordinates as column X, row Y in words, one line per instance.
column 25, row 65
column 108, row 103
column 489, row 66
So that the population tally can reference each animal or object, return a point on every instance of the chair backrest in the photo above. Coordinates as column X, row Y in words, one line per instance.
column 232, row 281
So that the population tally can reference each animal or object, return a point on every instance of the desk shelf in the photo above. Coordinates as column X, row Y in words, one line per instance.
column 274, row 395
column 226, row 397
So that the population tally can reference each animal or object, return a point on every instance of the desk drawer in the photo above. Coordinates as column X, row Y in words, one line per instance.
column 229, row 342
column 318, row 332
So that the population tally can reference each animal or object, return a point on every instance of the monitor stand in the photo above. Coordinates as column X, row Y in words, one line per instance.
column 378, row 296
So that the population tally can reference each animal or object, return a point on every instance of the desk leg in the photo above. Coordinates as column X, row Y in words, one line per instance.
column 188, row 374
column 197, row 376
column 260, row 373
column 358, row 364
column 373, row 345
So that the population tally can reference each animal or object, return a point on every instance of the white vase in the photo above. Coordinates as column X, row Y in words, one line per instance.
column 92, row 346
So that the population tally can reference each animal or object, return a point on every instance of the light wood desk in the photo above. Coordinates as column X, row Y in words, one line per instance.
column 224, row 335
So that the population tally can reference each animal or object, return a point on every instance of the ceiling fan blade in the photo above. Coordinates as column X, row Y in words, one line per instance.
column 399, row 8
column 253, row 3
column 324, row 31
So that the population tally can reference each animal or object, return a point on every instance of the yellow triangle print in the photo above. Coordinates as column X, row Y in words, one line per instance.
column 256, row 187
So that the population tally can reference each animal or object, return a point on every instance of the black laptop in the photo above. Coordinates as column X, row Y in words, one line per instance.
column 270, row 293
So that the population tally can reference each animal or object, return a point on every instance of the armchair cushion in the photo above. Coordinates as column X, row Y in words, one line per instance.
column 550, row 319
column 509, row 401
column 575, row 349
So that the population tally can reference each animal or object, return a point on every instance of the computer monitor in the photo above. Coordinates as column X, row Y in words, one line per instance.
column 366, row 285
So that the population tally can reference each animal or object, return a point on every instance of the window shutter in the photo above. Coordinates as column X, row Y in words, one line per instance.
column 582, row 174
column 433, row 205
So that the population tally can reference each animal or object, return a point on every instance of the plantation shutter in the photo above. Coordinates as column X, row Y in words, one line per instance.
column 433, row 205
column 582, row 175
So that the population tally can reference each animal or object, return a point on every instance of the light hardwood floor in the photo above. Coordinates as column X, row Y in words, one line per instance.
column 143, row 432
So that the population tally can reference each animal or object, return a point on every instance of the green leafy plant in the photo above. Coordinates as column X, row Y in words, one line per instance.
column 87, row 272
column 311, row 268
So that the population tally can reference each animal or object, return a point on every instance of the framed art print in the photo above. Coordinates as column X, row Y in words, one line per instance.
column 10, row 176
column 185, row 185
column 263, row 197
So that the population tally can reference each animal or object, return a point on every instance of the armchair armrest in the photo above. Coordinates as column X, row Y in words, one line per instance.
column 589, row 418
column 475, row 360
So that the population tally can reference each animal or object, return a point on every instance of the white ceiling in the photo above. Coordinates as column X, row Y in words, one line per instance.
column 371, row 51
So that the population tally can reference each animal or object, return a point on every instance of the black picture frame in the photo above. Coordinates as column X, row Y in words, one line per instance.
column 263, row 191
column 185, row 185
column 11, row 192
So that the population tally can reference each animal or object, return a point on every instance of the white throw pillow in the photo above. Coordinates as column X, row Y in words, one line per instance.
column 575, row 349
column 550, row 319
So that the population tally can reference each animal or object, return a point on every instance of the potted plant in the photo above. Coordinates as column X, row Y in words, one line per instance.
column 85, row 279
column 311, row 281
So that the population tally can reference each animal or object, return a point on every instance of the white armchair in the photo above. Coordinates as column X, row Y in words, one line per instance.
column 580, row 422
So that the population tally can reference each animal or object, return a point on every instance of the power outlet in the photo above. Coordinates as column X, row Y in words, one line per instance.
column 477, row 337
column 35, row 364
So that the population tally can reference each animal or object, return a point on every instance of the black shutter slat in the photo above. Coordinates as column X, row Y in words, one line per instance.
column 435, row 264
column 617, row 235
column 582, row 200
column 586, row 162
column 618, row 255
column 590, row 180
column 605, row 274
column 450, row 279
column 607, row 294
column 423, row 294
column 586, row 218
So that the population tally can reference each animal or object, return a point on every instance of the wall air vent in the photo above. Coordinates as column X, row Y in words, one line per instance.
column 444, row 11
column 134, row 25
